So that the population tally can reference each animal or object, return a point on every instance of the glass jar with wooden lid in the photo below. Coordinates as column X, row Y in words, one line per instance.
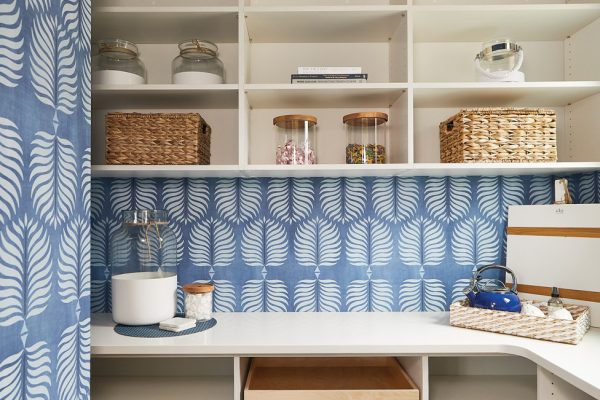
column 198, row 301
column 117, row 63
column 295, row 139
column 366, row 138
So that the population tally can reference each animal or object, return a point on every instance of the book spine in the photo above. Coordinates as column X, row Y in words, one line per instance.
column 329, row 81
column 330, row 76
column 329, row 70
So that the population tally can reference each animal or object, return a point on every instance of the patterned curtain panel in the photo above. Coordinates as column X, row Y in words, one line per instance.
column 330, row 244
column 44, row 199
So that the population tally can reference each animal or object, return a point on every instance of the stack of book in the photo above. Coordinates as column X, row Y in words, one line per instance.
column 329, row 75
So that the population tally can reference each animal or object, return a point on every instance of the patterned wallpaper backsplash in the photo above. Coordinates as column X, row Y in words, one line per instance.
column 326, row 244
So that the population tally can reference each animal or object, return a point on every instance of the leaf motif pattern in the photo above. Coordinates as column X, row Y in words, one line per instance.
column 224, row 296
column 238, row 200
column 290, row 199
column 11, row 44
column 74, row 362
column 264, row 243
column 369, row 243
column 369, row 295
column 85, row 87
column 186, row 199
column 495, row 194
column 26, row 374
column 211, row 244
column 74, row 262
column 317, row 244
column 76, row 20
column 11, row 169
column 53, row 178
column 317, row 295
column 129, row 194
column 447, row 199
column 53, row 67
column 422, row 295
column 264, row 295
column 343, row 199
column 25, row 271
column 395, row 199
column 101, row 294
column 540, row 190
column 589, row 188
column 457, row 289
column 475, row 242
column 85, row 180
column 422, row 243
column 37, row 5
column 97, row 199
column 100, row 234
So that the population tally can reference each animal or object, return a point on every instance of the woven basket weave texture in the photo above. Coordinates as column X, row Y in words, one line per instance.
column 499, row 135
column 157, row 139
column 517, row 324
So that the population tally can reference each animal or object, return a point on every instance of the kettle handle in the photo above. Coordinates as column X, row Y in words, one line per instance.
column 498, row 266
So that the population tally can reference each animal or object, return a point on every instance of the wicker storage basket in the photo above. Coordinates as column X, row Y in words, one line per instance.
column 543, row 328
column 499, row 135
column 157, row 139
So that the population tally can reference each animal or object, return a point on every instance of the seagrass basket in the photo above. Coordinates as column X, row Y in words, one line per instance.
column 157, row 139
column 499, row 135
column 517, row 324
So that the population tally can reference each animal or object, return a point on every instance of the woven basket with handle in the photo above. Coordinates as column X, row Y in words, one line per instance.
column 499, row 135
column 517, row 324
column 157, row 139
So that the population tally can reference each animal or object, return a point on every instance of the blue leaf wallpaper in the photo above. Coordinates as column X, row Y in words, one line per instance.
column 44, row 199
column 326, row 244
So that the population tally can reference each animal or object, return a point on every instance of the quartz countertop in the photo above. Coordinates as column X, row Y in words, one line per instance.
column 259, row 334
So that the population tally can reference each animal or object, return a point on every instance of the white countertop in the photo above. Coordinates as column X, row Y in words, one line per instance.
column 256, row 334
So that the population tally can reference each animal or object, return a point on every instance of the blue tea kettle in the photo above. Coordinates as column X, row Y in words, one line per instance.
column 492, row 294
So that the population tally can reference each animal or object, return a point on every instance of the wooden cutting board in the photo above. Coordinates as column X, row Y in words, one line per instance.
column 557, row 245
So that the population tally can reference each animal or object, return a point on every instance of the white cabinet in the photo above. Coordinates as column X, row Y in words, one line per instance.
column 418, row 55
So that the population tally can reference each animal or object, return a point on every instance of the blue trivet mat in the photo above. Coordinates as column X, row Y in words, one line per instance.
column 152, row 331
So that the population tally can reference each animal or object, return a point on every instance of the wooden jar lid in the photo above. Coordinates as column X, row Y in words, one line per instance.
column 294, row 121
column 198, row 288
column 365, row 118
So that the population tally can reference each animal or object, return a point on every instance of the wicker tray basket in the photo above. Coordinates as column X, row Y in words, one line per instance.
column 543, row 328
column 157, row 139
column 499, row 135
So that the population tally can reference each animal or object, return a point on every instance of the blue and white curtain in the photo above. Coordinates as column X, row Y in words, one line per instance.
column 44, row 199
column 326, row 244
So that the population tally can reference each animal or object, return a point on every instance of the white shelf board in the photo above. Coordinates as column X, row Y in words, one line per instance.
column 165, row 24
column 475, row 387
column 323, row 170
column 489, row 94
column 318, row 95
column 165, row 96
column 162, row 387
column 323, row 24
column 548, row 22
column 165, row 171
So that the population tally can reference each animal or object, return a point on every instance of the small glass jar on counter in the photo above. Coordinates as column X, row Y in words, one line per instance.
column 198, row 301
column 366, row 138
column 117, row 63
column 197, row 63
column 295, row 139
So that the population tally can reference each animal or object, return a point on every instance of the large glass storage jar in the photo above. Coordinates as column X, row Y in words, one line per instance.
column 198, row 63
column 117, row 63
column 499, row 61
column 366, row 138
column 295, row 139
column 143, row 256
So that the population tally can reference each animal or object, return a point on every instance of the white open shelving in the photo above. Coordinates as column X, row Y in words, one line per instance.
column 418, row 55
